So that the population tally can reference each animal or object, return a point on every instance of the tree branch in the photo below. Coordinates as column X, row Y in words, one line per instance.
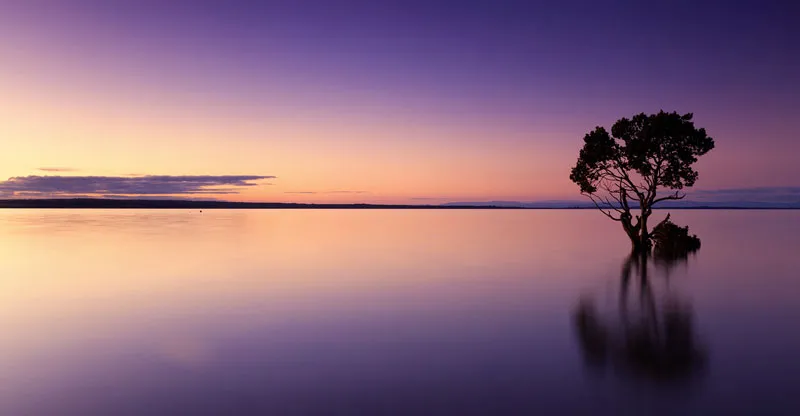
column 623, row 175
column 605, row 212
column 624, row 182
column 675, row 196
column 609, row 204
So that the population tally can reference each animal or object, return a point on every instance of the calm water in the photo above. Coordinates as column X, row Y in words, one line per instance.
column 392, row 312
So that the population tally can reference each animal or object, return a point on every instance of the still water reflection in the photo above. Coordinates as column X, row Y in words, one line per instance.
column 392, row 312
column 650, row 337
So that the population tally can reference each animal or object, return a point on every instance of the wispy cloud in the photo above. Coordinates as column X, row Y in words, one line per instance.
column 326, row 192
column 57, row 169
column 55, row 186
column 159, row 197
column 781, row 194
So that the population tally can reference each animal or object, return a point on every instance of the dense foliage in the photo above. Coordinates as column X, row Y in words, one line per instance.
column 644, row 160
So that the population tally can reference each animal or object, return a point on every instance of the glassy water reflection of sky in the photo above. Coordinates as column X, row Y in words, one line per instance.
column 376, row 312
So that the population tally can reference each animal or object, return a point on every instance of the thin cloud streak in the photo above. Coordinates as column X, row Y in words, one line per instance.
column 60, row 186
column 57, row 169
column 750, row 190
column 161, row 197
column 753, row 194
column 325, row 192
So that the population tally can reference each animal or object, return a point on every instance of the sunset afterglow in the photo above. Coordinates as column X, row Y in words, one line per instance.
column 397, row 102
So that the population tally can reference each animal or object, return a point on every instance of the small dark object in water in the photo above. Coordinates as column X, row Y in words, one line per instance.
column 672, row 240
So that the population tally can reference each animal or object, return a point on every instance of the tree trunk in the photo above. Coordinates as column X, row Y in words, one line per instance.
column 644, row 235
column 637, row 245
column 633, row 233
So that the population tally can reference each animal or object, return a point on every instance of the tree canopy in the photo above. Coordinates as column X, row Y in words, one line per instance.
column 642, row 158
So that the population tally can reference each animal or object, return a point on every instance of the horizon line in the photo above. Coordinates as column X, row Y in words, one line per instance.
column 177, row 203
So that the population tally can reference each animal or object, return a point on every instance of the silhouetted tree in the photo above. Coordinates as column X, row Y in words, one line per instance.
column 634, row 165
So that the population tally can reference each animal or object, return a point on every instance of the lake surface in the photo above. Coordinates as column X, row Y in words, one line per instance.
column 351, row 312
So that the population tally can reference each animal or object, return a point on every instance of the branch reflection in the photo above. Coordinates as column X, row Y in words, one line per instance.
column 652, row 336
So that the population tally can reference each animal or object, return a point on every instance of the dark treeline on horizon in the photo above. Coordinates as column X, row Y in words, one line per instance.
column 179, row 204
column 102, row 203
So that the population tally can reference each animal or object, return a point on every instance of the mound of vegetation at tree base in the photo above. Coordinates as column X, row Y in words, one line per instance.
column 671, row 240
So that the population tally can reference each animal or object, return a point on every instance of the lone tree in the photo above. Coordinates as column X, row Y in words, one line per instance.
column 645, row 160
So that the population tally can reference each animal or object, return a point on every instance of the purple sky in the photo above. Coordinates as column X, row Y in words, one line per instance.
column 476, row 99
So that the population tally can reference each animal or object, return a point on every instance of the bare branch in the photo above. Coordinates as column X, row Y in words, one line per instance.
column 611, row 192
column 604, row 211
column 634, row 194
column 623, row 183
column 610, row 205
column 676, row 196
column 623, row 176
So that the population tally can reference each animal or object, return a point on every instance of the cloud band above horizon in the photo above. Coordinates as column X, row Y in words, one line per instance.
column 55, row 186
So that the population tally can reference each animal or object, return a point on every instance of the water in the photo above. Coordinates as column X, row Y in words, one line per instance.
column 390, row 312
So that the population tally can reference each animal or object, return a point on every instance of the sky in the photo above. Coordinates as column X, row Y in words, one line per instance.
column 382, row 101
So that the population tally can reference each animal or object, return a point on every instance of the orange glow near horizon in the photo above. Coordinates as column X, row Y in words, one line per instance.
column 112, row 100
column 325, row 159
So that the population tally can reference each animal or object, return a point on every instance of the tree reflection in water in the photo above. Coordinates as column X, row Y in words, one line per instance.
column 652, row 337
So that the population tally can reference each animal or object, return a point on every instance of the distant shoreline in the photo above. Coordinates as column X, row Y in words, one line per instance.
column 90, row 203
